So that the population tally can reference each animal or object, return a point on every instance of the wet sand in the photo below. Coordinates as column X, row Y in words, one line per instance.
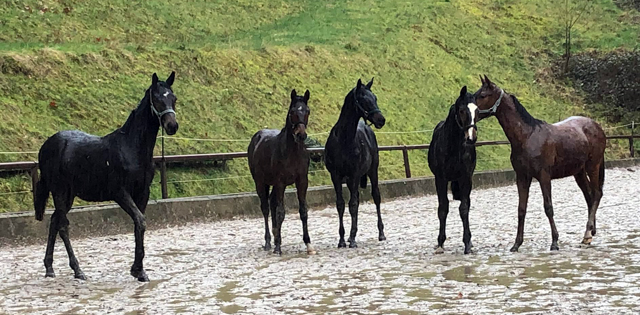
column 220, row 267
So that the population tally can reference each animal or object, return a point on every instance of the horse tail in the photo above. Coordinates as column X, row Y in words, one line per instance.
column 40, row 198
column 363, row 181
column 455, row 190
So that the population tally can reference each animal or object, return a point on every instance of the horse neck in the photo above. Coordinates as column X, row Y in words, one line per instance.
column 514, row 127
column 453, row 133
column 141, row 129
column 286, row 137
column 347, row 124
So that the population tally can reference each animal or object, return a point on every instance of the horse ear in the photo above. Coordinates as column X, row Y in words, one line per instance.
column 486, row 80
column 154, row 79
column 481, row 80
column 171, row 77
column 293, row 94
column 306, row 96
column 359, row 84
column 370, row 84
column 463, row 91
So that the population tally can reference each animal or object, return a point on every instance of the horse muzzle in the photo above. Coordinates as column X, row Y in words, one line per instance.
column 378, row 120
column 471, row 135
column 300, row 132
column 170, row 124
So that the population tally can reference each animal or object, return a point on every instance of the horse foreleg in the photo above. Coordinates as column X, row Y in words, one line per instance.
column 524, row 183
column 277, row 214
column 354, row 202
column 140, row 226
column 337, row 186
column 443, row 211
column 545, row 186
column 301, row 189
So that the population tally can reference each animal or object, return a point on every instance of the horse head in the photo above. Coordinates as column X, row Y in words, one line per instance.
column 163, row 102
column 298, row 116
column 367, row 104
column 467, row 115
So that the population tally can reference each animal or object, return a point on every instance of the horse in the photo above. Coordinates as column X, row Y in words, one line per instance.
column 452, row 158
column 279, row 158
column 116, row 167
column 351, row 154
column 572, row 147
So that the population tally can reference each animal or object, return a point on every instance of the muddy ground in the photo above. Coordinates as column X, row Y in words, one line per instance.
column 220, row 267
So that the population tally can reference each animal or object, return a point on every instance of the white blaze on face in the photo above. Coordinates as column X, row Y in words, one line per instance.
column 300, row 108
column 472, row 110
column 165, row 94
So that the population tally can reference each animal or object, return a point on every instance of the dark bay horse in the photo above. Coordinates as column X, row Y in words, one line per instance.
column 351, row 154
column 279, row 158
column 452, row 158
column 116, row 167
column 573, row 147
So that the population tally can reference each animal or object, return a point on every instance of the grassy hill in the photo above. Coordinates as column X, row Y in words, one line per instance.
column 72, row 64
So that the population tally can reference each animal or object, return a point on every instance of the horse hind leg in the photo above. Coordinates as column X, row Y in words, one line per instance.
column 337, row 186
column 375, row 194
column 443, row 211
column 64, row 235
column 596, row 181
column 583, row 183
column 354, row 202
column 263, row 194
column 465, row 204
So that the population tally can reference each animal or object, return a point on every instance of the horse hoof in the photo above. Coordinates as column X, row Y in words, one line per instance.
column 353, row 244
column 142, row 276
column 80, row 276
column 50, row 274
column 554, row 247
column 277, row 251
column 593, row 231
column 439, row 250
column 342, row 244
column 310, row 250
column 382, row 238
column 514, row 249
column 587, row 241
column 266, row 247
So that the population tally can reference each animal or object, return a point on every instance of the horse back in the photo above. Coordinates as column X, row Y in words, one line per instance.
column 270, row 162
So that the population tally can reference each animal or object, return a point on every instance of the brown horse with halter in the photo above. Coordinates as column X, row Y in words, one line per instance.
column 572, row 147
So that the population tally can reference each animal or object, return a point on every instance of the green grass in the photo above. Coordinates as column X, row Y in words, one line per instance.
column 236, row 62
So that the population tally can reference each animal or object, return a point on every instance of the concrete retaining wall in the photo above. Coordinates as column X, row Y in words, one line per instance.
column 22, row 228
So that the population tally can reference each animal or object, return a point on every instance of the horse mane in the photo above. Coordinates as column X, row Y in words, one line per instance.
column 130, row 123
column 524, row 114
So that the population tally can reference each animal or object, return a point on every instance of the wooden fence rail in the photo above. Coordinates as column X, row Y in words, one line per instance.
column 162, row 161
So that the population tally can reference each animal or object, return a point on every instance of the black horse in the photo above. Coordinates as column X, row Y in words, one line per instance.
column 452, row 158
column 279, row 158
column 116, row 167
column 351, row 154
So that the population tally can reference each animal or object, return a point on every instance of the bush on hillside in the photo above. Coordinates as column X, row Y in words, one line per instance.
column 628, row 4
column 612, row 80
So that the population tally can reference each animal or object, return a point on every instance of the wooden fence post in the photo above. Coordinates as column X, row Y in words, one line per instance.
column 407, row 167
column 34, row 180
column 631, row 149
column 163, row 171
